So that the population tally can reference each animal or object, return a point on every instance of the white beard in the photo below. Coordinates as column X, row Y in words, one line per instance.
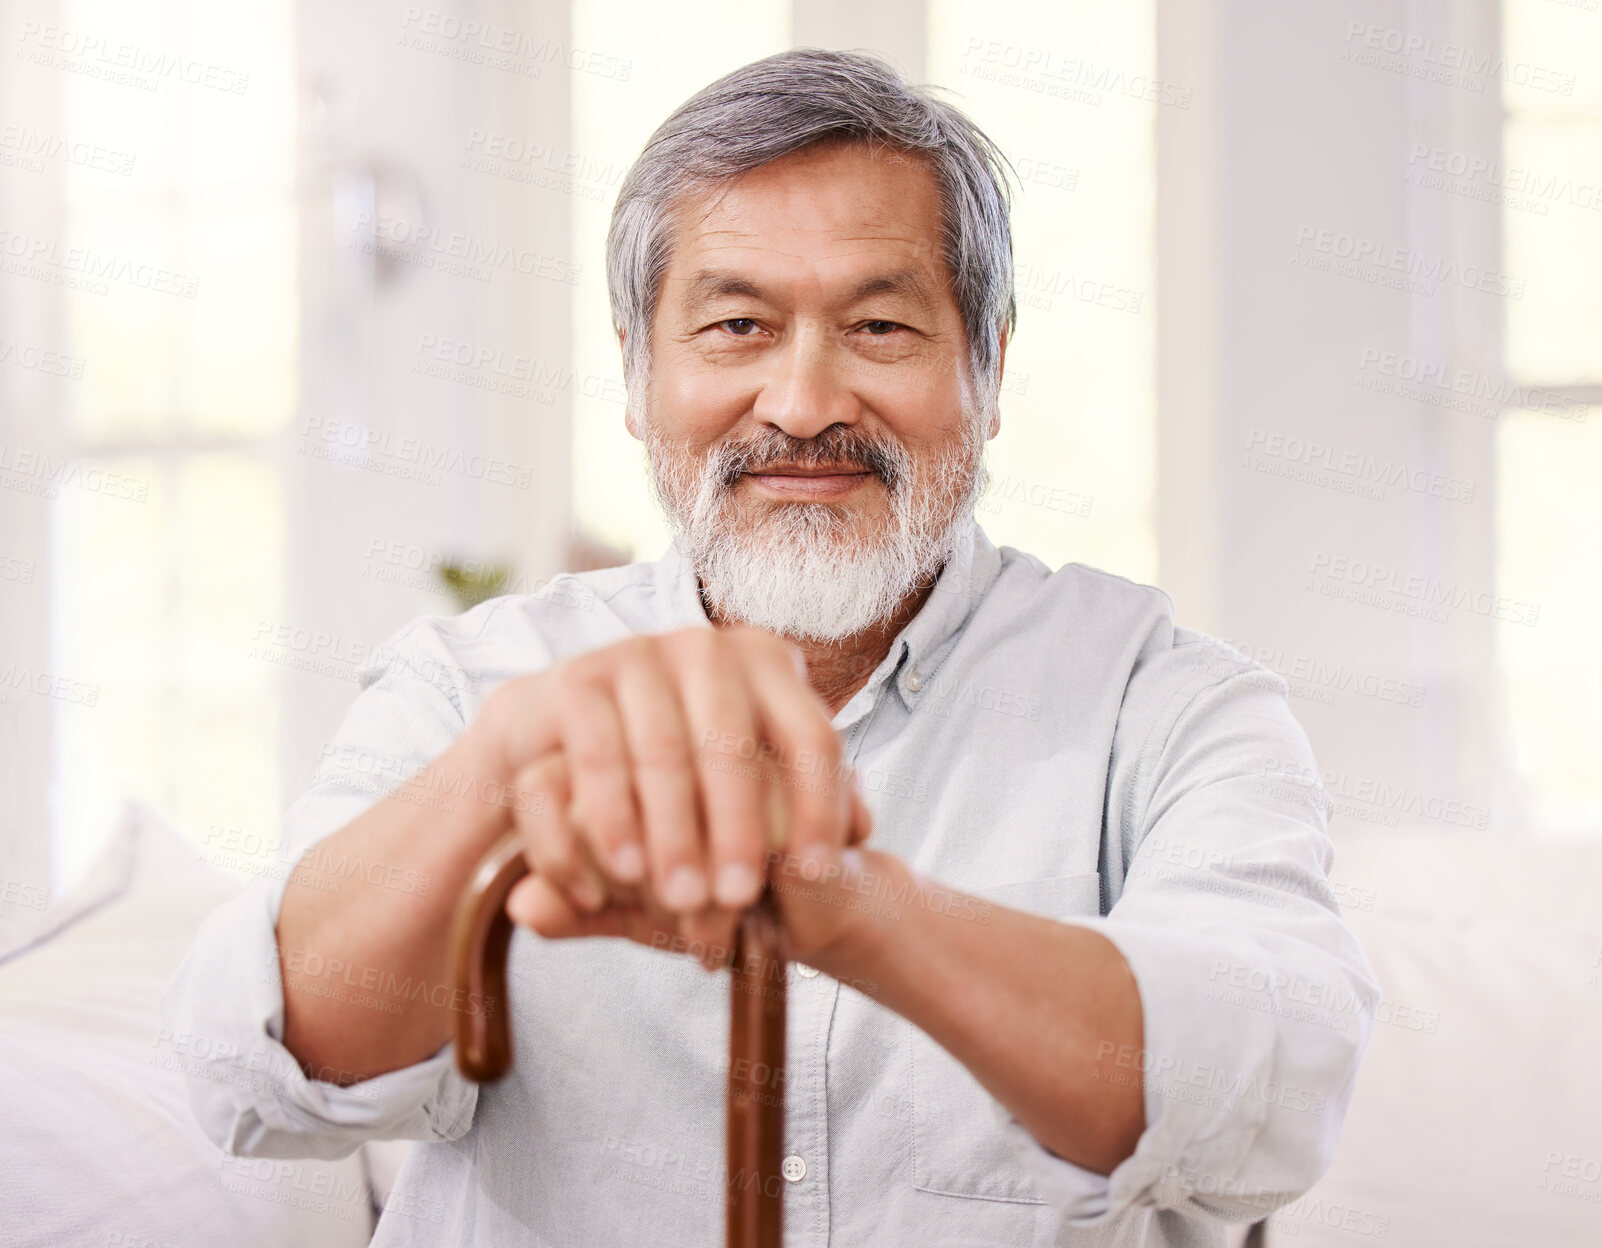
column 802, row 570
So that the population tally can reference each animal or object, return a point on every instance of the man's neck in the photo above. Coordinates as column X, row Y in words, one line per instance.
column 837, row 669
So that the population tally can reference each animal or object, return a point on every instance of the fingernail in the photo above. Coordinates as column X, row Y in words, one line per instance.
column 685, row 889
column 628, row 863
column 737, row 884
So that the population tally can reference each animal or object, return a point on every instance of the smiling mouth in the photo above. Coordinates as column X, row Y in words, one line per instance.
column 811, row 481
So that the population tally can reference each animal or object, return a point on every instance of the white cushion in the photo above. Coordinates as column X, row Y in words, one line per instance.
column 99, row 1145
column 1477, row 1118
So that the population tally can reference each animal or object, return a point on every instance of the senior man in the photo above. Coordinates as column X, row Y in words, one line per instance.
column 1068, row 968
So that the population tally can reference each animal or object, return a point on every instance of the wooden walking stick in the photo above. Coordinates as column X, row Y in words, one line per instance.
column 480, row 939
column 756, row 1081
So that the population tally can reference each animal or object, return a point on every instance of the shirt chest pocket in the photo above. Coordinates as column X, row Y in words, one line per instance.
column 958, row 1145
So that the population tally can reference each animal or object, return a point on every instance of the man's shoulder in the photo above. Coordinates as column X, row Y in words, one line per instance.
column 1114, row 622
column 1097, row 589
column 1098, row 613
column 543, row 621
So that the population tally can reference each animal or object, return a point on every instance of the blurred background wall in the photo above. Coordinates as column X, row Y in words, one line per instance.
column 302, row 306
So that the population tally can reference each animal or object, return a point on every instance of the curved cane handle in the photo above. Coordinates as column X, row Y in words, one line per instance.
column 480, row 936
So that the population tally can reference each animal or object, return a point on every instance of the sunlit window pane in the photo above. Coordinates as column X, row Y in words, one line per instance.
column 238, row 377
column 671, row 60
column 167, row 582
column 1553, row 231
column 1069, row 92
column 1549, row 547
column 183, row 238
column 1550, row 54
column 1549, row 519
column 129, row 341
column 185, row 303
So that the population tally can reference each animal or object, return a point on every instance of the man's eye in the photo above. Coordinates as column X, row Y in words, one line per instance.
column 740, row 326
column 879, row 328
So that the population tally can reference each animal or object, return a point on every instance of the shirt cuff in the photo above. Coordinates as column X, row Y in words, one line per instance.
column 1206, row 1072
column 223, row 1018
column 1079, row 1195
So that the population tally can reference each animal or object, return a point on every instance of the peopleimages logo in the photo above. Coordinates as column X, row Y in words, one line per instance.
column 1351, row 255
column 33, row 148
column 501, row 47
column 1375, row 801
column 537, row 164
column 24, row 255
column 454, row 251
column 1456, row 64
column 41, row 359
column 1458, row 389
column 354, row 445
column 1318, row 463
column 1375, row 584
column 127, row 64
column 1046, row 72
column 1318, row 679
column 27, row 471
column 1480, row 177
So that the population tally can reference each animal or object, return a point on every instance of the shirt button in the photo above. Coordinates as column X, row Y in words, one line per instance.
column 914, row 680
column 807, row 972
column 794, row 1168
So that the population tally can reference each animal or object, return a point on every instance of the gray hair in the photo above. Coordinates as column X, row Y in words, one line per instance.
column 779, row 105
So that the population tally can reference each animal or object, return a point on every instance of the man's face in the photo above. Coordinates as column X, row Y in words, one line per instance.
column 810, row 418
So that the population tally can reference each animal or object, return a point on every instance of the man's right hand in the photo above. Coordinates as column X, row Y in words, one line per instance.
column 652, row 776
column 642, row 776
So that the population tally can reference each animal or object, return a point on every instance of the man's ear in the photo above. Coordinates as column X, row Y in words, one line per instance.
column 629, row 422
column 1001, row 372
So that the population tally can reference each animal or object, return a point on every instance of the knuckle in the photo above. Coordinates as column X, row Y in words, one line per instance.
column 544, row 774
column 638, row 649
column 556, row 859
column 661, row 751
column 503, row 705
column 604, row 802
column 571, row 681
column 594, row 758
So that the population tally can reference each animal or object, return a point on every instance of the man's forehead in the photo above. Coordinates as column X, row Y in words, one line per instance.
column 843, row 215
column 860, row 275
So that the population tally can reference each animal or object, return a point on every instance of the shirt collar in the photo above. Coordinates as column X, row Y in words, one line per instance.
column 680, row 589
column 918, row 649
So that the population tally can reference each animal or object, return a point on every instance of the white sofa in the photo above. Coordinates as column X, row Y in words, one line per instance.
column 1477, row 1120
column 99, row 1145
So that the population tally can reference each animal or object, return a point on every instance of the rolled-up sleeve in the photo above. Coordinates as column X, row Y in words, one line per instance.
column 1257, row 999
column 223, row 1012
column 224, row 1022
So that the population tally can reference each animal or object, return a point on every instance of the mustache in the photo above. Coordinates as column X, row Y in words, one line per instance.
column 838, row 446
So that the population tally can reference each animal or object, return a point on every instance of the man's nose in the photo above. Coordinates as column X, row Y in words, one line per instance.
column 808, row 388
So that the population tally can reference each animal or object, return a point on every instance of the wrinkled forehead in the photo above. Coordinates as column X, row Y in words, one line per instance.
column 831, row 224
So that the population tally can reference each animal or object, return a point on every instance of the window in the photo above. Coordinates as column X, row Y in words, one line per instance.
column 1549, row 440
column 185, row 316
column 1069, row 94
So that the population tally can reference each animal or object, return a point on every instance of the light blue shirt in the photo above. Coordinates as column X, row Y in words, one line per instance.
column 1047, row 741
